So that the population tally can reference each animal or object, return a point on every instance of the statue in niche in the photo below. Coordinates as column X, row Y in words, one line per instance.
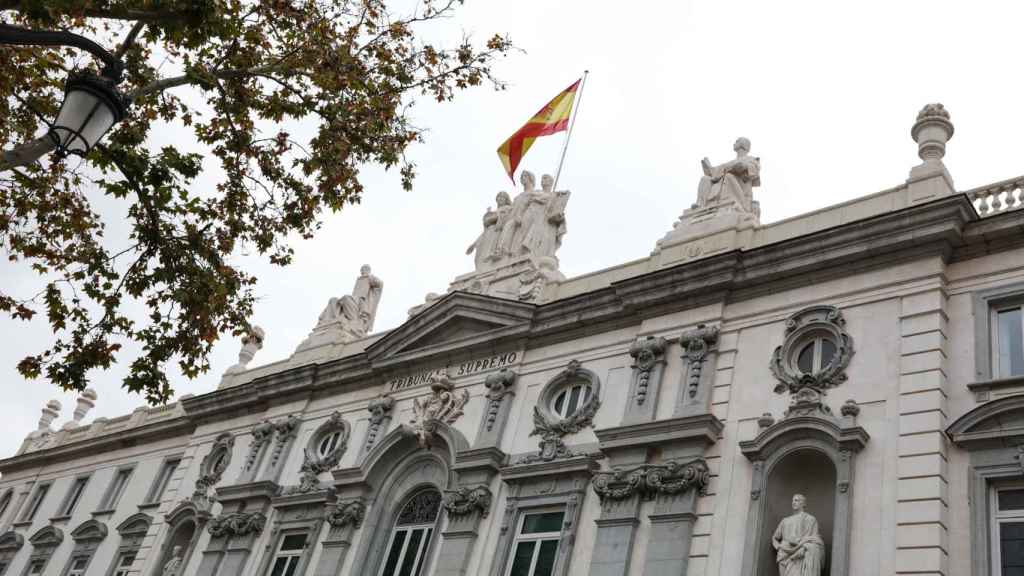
column 173, row 565
column 486, row 245
column 356, row 312
column 800, row 551
column 536, row 221
column 731, row 184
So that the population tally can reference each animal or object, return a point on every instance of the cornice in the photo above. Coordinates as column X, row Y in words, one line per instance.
column 702, row 430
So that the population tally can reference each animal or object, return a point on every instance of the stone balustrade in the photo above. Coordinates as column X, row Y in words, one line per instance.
column 999, row 197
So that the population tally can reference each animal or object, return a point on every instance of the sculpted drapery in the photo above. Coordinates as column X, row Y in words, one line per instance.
column 800, row 551
column 356, row 312
column 731, row 183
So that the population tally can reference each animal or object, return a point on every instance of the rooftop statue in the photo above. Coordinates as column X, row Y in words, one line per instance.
column 354, row 313
column 486, row 245
column 731, row 183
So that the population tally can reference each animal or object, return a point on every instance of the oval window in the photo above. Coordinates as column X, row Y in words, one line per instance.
column 571, row 399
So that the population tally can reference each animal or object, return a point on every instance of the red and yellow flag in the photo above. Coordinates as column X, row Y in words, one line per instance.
column 552, row 118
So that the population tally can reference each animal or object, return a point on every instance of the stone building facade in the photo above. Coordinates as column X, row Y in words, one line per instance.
column 652, row 418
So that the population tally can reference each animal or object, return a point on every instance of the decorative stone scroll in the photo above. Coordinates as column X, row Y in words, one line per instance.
column 286, row 431
column 648, row 355
column 699, row 348
column 550, row 427
column 498, row 385
column 261, row 435
column 443, row 405
column 465, row 500
column 350, row 513
column 825, row 323
column 650, row 480
column 237, row 524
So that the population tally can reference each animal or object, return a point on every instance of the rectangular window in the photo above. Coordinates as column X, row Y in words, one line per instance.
column 1008, row 529
column 535, row 547
column 74, row 495
column 78, row 566
column 163, row 479
column 35, row 503
column 289, row 553
column 124, row 563
column 1008, row 336
column 36, row 567
column 117, row 486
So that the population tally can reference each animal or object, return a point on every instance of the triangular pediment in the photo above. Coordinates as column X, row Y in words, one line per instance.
column 458, row 319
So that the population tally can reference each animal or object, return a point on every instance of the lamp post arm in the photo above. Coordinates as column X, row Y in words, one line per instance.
column 18, row 36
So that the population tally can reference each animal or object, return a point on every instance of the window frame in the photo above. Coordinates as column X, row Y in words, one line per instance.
column 1003, row 305
column 71, row 499
column 986, row 302
column 425, row 546
column 119, row 562
column 300, row 554
column 69, row 569
column 35, row 502
column 519, row 537
column 996, row 518
column 159, row 486
column 114, row 492
column 6, row 498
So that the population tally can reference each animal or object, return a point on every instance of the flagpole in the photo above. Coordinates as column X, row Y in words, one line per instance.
column 572, row 123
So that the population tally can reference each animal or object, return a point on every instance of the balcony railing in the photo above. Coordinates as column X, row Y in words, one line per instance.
column 999, row 197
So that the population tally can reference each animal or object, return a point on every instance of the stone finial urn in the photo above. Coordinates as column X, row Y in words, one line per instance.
column 931, row 131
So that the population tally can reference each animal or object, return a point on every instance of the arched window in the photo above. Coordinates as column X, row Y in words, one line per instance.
column 326, row 446
column 412, row 534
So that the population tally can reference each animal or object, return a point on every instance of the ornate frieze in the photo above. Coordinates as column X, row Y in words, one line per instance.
column 237, row 524
column 465, row 500
column 498, row 385
column 444, row 405
column 350, row 513
column 647, row 353
column 651, row 480
column 815, row 352
column 696, row 344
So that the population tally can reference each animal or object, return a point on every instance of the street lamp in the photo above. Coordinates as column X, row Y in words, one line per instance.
column 92, row 104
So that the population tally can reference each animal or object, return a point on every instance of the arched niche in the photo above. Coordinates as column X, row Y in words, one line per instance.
column 811, row 453
column 397, row 468
column 184, row 526
column 993, row 436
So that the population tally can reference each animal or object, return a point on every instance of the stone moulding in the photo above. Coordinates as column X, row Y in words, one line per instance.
column 237, row 524
column 350, row 513
column 647, row 354
column 651, row 480
column 800, row 328
column 465, row 500
column 261, row 434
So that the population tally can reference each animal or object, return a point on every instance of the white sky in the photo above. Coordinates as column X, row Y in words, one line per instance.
column 826, row 91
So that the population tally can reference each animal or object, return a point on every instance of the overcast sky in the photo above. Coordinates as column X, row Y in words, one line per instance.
column 826, row 92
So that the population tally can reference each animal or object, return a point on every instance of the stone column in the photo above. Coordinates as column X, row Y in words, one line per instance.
column 616, row 532
column 668, row 548
column 343, row 519
column 922, row 490
column 232, row 539
column 700, row 350
column 645, row 387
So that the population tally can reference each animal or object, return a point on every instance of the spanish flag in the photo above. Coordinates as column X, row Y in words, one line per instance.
column 552, row 118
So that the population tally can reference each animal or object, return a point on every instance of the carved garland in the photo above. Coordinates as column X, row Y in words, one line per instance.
column 237, row 524
column 647, row 353
column 696, row 344
column 465, row 500
column 801, row 328
column 651, row 480
column 498, row 385
column 350, row 513
column 443, row 405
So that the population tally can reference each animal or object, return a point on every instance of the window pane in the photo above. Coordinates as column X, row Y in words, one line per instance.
column 423, row 556
column 546, row 558
column 411, row 553
column 522, row 558
column 279, row 566
column 293, row 542
column 128, row 559
column 1011, row 499
column 396, row 551
column 545, row 522
column 1011, row 343
column 293, row 564
column 560, row 403
column 75, row 495
column 805, row 361
column 574, row 401
column 828, row 351
column 1011, row 548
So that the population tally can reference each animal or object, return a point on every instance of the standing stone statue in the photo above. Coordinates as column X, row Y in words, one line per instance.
column 486, row 245
column 543, row 221
column 355, row 313
column 173, row 566
column 800, row 549
column 731, row 183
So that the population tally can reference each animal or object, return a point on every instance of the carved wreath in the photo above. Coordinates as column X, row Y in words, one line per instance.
column 313, row 464
column 549, row 426
column 802, row 328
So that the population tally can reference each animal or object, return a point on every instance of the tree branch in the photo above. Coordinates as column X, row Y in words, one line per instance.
column 27, row 153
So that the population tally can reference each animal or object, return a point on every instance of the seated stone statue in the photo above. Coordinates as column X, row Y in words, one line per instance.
column 730, row 184
column 800, row 551
column 354, row 313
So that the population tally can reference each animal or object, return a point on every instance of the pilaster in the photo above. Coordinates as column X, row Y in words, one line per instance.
column 922, row 513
